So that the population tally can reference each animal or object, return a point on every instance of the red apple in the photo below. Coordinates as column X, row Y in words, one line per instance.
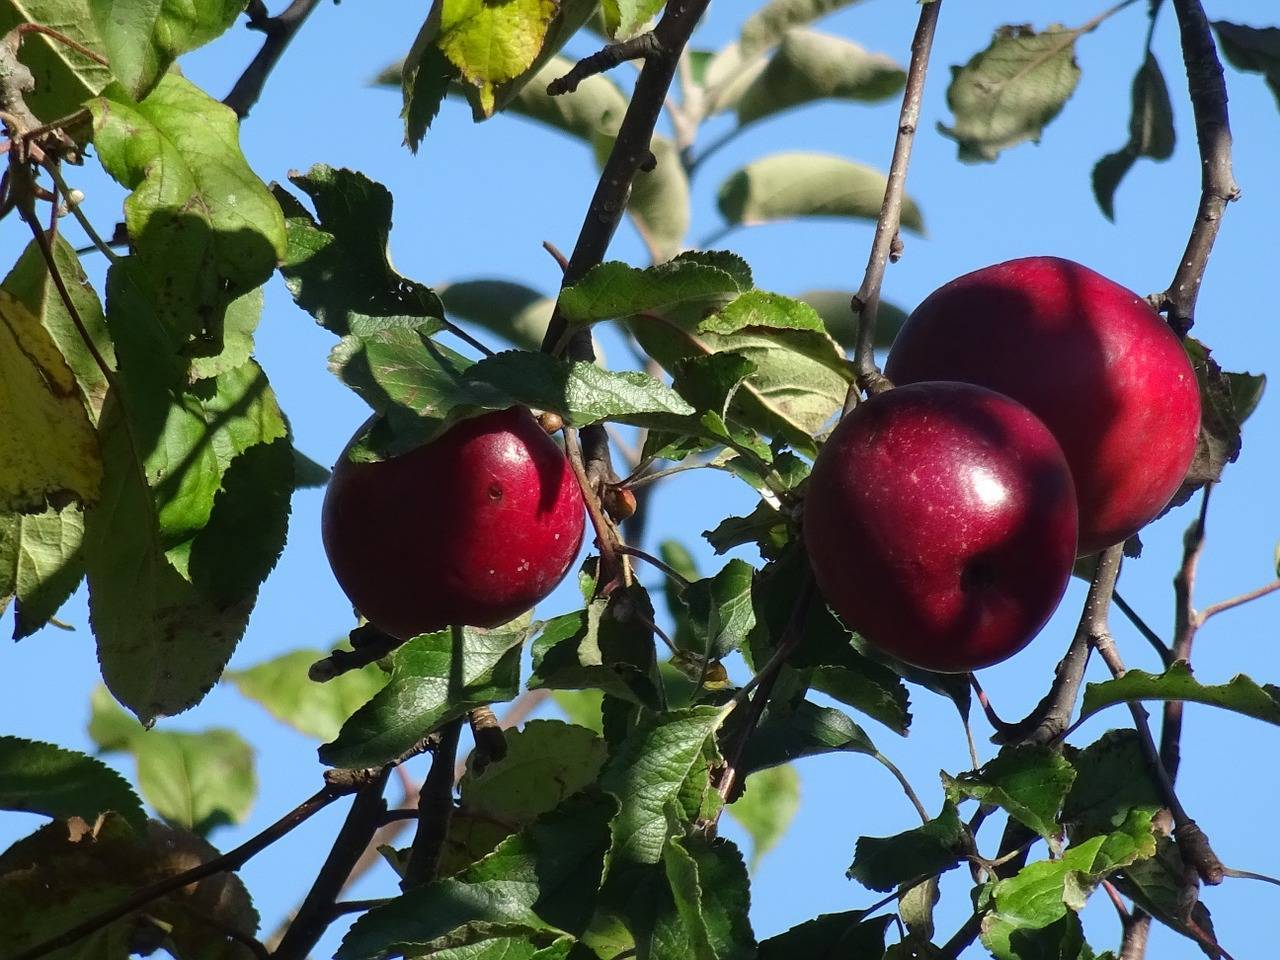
column 472, row 528
column 1087, row 356
column 940, row 521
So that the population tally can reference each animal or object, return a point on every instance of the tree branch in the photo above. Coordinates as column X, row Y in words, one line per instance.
column 1223, row 605
column 886, row 245
column 1184, row 632
column 317, row 909
column 637, row 48
column 279, row 31
column 435, row 810
column 1208, row 92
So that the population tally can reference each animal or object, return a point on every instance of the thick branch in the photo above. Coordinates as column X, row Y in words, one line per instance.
column 279, row 31
column 228, row 862
column 317, row 910
column 435, row 810
column 1208, row 91
column 886, row 245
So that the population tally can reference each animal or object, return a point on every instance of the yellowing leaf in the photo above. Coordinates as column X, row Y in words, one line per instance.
column 491, row 43
column 48, row 448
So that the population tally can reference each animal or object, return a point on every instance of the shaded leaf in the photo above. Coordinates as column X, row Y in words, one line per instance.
column 1240, row 695
column 837, row 316
column 580, row 707
column 767, row 807
column 883, row 863
column 282, row 686
column 783, row 186
column 1255, row 49
column 1008, row 92
column 711, row 896
column 807, row 730
column 1112, row 778
column 1150, row 134
column 831, row 936
column 512, row 310
column 810, row 66
column 770, row 23
column 764, row 526
column 1158, row 884
column 659, row 199
column 41, row 564
column 720, row 610
column 42, row 778
column 1029, row 782
column 434, row 678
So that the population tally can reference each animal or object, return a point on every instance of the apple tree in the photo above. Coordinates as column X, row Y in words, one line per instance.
column 146, row 454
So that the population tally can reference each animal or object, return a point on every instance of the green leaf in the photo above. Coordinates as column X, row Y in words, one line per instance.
column 1028, row 782
column 197, row 781
column 831, row 936
column 47, row 444
column 760, row 309
column 805, row 731
column 426, row 78
column 67, row 78
column 337, row 265
column 142, row 38
column 648, row 771
column 915, row 908
column 1063, row 939
column 767, row 807
column 1150, row 134
column 41, row 564
column 202, row 224
column 764, row 526
column 282, row 686
column 604, row 647
column 307, row 474
column 810, row 66
column 771, row 22
column 512, row 310
column 837, row 316
column 720, row 610
column 580, row 707
column 883, row 863
column 434, row 678
column 783, row 186
column 1158, row 884
column 625, row 18
column 614, row 290
column 42, row 778
column 711, row 896
column 69, row 870
column 31, row 283
column 592, row 110
column 1240, row 694
column 544, row 878
column 1112, row 778
column 1008, row 93
column 1255, row 49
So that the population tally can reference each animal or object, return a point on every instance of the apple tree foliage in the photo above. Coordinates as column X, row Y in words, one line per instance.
column 145, row 452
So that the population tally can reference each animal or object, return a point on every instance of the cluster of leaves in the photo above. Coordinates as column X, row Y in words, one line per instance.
column 144, row 449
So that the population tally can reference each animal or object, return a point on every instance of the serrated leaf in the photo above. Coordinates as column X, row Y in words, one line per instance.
column 1254, row 49
column 67, row 78
column 1028, row 782
column 837, row 316
column 1063, row 939
column 544, row 878
column 48, row 448
column 282, row 686
column 810, row 66
column 142, row 38
column 764, row 526
column 1240, row 695
column 783, row 186
column 805, row 731
column 1150, row 134
column 426, row 78
column 69, row 870
column 766, row 807
column 771, row 22
column 1008, row 92
column 1112, row 778
column 647, row 772
column 202, row 224
column 614, row 290
column 720, row 610
column 434, row 678
column 337, row 265
column 883, row 863
column 492, row 44
column 43, row 778
column 761, row 309
column 711, row 896
column 512, row 310
column 41, row 564
column 831, row 936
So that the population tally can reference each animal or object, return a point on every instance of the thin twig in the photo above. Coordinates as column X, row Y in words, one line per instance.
column 681, row 580
column 53, row 169
column 435, row 810
column 1184, row 632
column 228, row 862
column 1208, row 92
column 279, row 30
column 1223, row 605
column 867, row 299
column 1052, row 716
column 904, row 783
column 1153, row 638
column 637, row 48
column 606, row 533
column 316, row 912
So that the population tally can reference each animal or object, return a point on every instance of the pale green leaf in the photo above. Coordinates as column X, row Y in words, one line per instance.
column 40, row 564
column 767, row 807
column 512, row 310
column 770, row 23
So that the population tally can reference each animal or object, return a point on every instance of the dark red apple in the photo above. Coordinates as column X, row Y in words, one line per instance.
column 940, row 521
column 472, row 528
column 1087, row 356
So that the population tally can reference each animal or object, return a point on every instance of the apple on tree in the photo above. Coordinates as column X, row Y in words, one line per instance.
column 1090, row 358
column 474, row 527
column 940, row 522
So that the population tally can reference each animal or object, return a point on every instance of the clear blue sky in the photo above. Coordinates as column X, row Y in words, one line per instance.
column 479, row 199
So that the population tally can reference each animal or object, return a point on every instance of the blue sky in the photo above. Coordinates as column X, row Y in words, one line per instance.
column 478, row 200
